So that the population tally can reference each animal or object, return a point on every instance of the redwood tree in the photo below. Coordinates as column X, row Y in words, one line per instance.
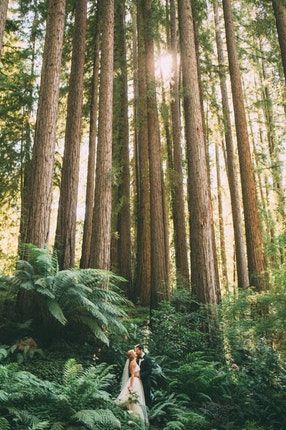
column 143, row 228
column 90, row 182
column 279, row 8
column 101, row 232
column 121, row 128
column 3, row 16
column 45, row 132
column 66, row 223
column 256, row 262
column 159, row 255
column 180, row 236
column 232, row 171
column 203, row 260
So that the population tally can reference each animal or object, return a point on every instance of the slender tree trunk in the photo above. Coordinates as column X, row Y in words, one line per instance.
column 90, row 183
column 27, row 143
column 241, row 260
column 279, row 8
column 135, row 161
column 66, row 223
column 272, row 144
column 179, row 217
column 256, row 261
column 101, row 236
column 221, row 220
column 143, row 266
column 45, row 132
column 159, row 267
column 203, row 260
column 3, row 16
column 121, row 128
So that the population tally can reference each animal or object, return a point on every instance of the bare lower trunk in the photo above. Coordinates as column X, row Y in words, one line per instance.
column 232, row 171
column 121, row 128
column 101, row 236
column 179, row 216
column 159, row 269
column 256, row 262
column 143, row 266
column 203, row 260
column 45, row 132
column 90, row 183
column 66, row 223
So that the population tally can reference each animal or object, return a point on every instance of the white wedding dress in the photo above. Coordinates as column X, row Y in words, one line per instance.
column 139, row 407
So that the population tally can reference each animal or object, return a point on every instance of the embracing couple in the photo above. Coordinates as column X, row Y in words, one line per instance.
column 136, row 383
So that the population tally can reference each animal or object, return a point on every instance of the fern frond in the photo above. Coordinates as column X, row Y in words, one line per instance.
column 56, row 311
column 71, row 370
column 4, row 424
column 94, row 328
column 102, row 416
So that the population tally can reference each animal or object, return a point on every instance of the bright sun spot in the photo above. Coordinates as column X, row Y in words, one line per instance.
column 164, row 67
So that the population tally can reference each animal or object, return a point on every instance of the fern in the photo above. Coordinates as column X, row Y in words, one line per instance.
column 4, row 424
column 70, row 296
column 91, row 418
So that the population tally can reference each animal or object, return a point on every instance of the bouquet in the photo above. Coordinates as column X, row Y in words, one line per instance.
column 133, row 397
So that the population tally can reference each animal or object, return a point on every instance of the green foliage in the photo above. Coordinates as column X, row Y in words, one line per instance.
column 81, row 402
column 82, row 298
column 242, row 387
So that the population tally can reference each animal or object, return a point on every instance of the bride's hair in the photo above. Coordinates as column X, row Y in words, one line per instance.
column 131, row 354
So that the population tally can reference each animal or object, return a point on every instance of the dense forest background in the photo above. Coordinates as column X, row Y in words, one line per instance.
column 142, row 189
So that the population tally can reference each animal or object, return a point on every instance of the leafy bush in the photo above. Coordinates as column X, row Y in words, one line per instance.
column 86, row 299
column 241, row 386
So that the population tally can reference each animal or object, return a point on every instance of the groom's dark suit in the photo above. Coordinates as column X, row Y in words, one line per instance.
column 145, row 364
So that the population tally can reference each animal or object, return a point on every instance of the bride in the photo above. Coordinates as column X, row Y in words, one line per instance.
column 132, row 393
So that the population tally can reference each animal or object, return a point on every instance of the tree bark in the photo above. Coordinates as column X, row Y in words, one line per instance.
column 203, row 260
column 221, row 220
column 121, row 128
column 66, row 222
column 45, row 132
column 241, row 260
column 256, row 261
column 3, row 17
column 279, row 8
column 159, row 266
column 90, row 182
column 143, row 263
column 179, row 217
column 101, row 236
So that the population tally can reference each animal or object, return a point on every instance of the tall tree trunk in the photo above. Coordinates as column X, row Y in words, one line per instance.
column 45, row 132
column 272, row 143
column 143, row 263
column 101, row 236
column 26, row 149
column 121, row 128
column 241, row 260
column 256, row 261
column 66, row 223
column 221, row 220
column 3, row 16
column 90, row 182
column 159, row 267
column 203, row 260
column 279, row 8
column 179, row 217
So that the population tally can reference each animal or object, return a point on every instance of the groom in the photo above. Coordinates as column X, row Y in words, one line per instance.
column 145, row 364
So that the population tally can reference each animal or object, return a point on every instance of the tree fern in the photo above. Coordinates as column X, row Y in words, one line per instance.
column 73, row 296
